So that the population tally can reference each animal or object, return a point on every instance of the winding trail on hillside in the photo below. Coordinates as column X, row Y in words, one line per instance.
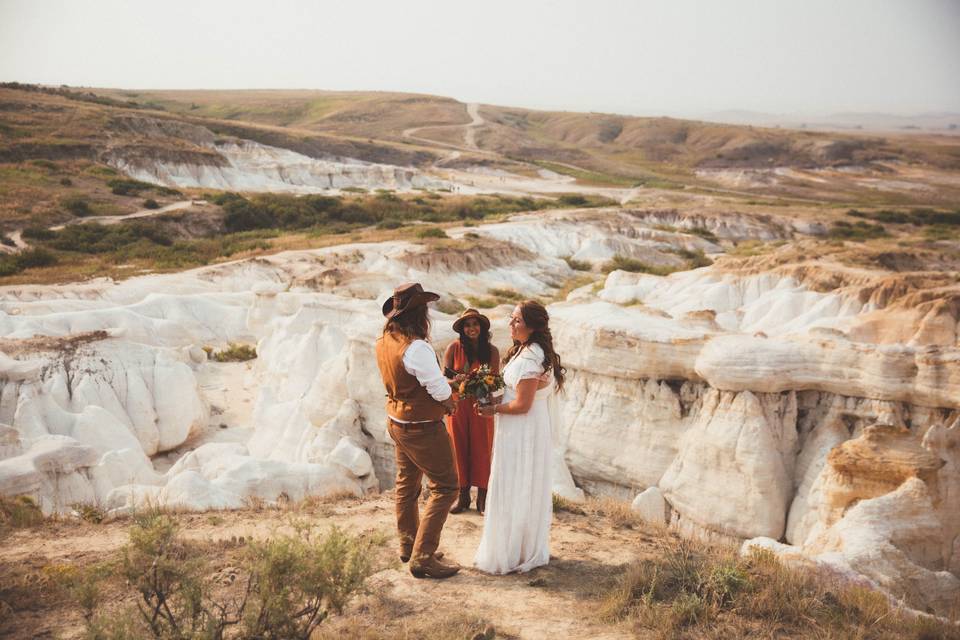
column 469, row 135
column 19, row 244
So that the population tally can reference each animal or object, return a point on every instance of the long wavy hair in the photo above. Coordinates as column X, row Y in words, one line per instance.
column 412, row 325
column 537, row 319
column 479, row 353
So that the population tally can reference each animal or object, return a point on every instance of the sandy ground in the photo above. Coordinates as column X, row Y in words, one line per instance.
column 556, row 601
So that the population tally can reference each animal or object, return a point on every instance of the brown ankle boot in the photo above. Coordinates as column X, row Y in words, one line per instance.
column 463, row 503
column 430, row 567
column 481, row 501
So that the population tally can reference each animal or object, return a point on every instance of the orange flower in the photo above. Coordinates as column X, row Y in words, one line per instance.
column 463, row 387
column 488, row 381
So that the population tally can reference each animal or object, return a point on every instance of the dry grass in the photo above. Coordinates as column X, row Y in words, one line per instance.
column 617, row 512
column 694, row 590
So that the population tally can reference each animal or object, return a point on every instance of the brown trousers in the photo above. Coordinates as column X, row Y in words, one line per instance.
column 423, row 449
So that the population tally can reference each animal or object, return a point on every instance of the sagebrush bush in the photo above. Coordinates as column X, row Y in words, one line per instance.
column 77, row 205
column 623, row 263
column 234, row 352
column 17, row 512
column 432, row 232
column 290, row 585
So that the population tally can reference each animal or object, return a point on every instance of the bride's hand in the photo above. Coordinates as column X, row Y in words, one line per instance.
column 485, row 410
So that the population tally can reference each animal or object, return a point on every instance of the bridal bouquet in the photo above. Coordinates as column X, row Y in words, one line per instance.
column 483, row 385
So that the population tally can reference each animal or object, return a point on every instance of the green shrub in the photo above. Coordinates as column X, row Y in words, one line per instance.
column 572, row 200
column 578, row 265
column 860, row 230
column 507, row 295
column 292, row 584
column 35, row 257
column 298, row 581
column 432, row 232
column 126, row 186
column 623, row 263
column 66, row 182
column 89, row 512
column 17, row 512
column 150, row 203
column 98, row 238
column 77, row 205
column 703, row 232
column 38, row 233
column 233, row 353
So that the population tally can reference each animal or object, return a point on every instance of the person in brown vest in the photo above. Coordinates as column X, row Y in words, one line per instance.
column 418, row 398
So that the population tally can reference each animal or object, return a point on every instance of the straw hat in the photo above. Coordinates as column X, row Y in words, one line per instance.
column 471, row 313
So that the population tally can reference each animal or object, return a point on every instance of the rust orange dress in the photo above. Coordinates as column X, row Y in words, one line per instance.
column 471, row 434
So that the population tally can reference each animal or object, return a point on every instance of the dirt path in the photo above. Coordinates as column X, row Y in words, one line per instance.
column 143, row 213
column 20, row 244
column 470, row 135
column 556, row 601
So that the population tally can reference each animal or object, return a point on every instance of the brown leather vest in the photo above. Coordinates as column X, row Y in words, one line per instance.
column 407, row 399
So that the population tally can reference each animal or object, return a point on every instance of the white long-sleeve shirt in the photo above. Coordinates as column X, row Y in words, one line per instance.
column 420, row 361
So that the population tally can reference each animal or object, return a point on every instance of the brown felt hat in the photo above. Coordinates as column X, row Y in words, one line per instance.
column 405, row 297
column 471, row 313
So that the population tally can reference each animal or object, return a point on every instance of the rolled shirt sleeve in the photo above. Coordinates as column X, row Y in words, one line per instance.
column 420, row 361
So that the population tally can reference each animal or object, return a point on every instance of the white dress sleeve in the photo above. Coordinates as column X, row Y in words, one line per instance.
column 530, row 363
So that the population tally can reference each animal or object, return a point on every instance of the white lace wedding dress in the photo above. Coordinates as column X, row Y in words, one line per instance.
column 516, row 524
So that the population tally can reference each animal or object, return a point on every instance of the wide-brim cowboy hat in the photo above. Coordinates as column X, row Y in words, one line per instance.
column 405, row 297
column 471, row 313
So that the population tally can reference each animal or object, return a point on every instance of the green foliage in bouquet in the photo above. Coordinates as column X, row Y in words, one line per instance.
column 481, row 383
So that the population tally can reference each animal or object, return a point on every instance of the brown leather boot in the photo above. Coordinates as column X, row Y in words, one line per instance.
column 405, row 556
column 432, row 568
column 481, row 501
column 463, row 503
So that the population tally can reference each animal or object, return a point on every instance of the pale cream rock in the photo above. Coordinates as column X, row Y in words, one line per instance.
column 734, row 473
column 651, row 506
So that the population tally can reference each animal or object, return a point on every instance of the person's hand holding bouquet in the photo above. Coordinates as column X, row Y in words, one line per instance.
column 483, row 385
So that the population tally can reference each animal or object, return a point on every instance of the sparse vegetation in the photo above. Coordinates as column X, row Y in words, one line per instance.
column 88, row 512
column 695, row 259
column 915, row 217
column 578, row 265
column 293, row 582
column 233, row 353
column 495, row 298
column 693, row 589
column 17, row 512
column 77, row 205
column 623, row 263
column 35, row 257
column 858, row 231
column 432, row 232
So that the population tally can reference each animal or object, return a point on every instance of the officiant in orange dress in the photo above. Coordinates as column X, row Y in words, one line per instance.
column 470, row 433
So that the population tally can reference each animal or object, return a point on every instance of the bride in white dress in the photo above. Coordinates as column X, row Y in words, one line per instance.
column 516, row 525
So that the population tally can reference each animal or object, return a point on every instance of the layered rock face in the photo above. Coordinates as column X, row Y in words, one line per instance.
column 251, row 166
column 739, row 405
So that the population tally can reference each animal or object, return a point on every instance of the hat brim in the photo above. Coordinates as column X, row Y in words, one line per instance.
column 416, row 300
column 484, row 321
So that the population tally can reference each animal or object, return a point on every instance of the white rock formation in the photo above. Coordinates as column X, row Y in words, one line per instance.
column 251, row 166
column 742, row 406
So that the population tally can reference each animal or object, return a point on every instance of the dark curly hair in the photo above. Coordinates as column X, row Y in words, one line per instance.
column 537, row 319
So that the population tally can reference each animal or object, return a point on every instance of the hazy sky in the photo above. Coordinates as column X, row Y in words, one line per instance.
column 677, row 57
